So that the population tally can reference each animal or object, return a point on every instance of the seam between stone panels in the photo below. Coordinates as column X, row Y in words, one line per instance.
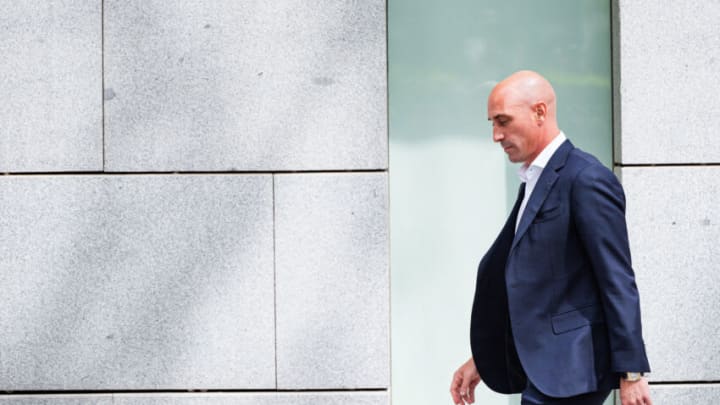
column 275, row 324
column 189, row 391
column 207, row 172
column 615, row 106
column 102, row 78
column 673, row 383
column 668, row 165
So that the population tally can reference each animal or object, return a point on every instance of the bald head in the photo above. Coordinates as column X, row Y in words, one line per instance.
column 523, row 111
column 526, row 88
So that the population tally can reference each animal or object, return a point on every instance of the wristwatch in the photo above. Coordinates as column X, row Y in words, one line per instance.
column 632, row 377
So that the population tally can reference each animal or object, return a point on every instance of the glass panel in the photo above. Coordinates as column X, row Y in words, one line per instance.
column 451, row 187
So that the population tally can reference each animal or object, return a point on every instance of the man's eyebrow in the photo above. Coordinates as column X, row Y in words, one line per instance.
column 497, row 116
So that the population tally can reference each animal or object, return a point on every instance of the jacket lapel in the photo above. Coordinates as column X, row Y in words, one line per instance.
column 545, row 183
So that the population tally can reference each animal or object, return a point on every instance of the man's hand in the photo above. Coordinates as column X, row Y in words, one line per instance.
column 634, row 392
column 464, row 381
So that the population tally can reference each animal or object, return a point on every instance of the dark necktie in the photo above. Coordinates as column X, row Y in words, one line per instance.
column 518, row 202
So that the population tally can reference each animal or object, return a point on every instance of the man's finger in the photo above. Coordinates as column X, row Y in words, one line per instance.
column 472, row 392
column 465, row 390
column 646, row 394
column 455, row 396
column 455, row 388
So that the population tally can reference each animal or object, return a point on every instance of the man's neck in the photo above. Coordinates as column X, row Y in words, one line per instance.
column 547, row 140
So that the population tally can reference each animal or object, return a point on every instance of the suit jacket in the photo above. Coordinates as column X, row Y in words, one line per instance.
column 556, row 301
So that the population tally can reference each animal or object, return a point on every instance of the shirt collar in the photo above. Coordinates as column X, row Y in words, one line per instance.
column 527, row 172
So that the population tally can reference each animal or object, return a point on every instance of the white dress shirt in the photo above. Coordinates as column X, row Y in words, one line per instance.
column 530, row 174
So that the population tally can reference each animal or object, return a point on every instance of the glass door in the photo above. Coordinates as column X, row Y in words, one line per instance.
column 450, row 187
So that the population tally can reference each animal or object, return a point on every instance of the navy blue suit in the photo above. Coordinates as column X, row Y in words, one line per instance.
column 556, row 301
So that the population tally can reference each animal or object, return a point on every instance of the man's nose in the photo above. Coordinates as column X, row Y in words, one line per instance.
column 498, row 136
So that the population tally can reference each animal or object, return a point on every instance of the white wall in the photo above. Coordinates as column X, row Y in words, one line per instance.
column 196, row 199
column 667, row 60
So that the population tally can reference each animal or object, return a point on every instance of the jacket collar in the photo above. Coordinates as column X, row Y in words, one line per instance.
column 547, row 179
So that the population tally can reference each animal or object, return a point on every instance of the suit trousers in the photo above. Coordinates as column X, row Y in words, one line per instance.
column 532, row 396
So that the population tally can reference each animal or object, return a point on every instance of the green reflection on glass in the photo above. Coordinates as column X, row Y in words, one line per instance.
column 451, row 187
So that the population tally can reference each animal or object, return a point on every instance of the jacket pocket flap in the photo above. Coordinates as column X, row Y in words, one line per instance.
column 578, row 318
column 547, row 213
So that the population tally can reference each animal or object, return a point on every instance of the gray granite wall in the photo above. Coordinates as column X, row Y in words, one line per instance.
column 194, row 205
column 667, row 115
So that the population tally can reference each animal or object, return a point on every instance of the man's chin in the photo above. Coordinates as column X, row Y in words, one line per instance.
column 514, row 159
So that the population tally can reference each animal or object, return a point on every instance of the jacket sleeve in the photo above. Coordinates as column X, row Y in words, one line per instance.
column 598, row 207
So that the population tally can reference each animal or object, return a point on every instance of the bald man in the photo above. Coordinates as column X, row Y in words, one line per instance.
column 556, row 314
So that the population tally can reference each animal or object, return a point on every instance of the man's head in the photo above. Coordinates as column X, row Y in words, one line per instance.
column 523, row 113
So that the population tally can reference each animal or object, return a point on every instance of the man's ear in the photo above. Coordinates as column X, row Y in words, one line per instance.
column 540, row 113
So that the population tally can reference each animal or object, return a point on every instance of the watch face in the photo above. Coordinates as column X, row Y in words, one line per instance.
column 633, row 376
